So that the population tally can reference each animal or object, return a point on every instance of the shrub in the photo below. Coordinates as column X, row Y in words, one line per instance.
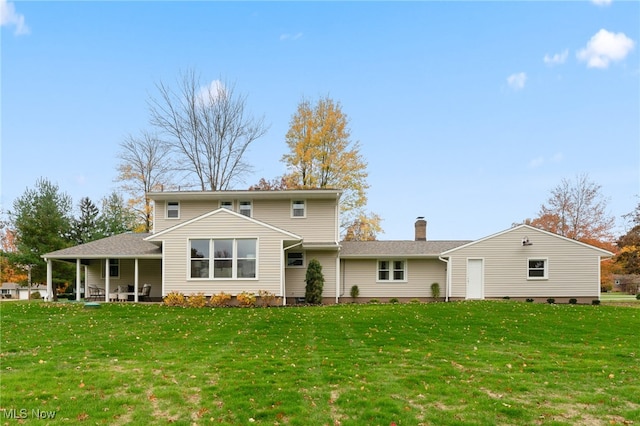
column 355, row 291
column 246, row 299
column 374, row 301
column 506, row 297
column 36, row 295
column 266, row 297
column 638, row 296
column 435, row 290
column 220, row 299
column 551, row 300
column 394, row 300
column 573, row 301
column 415, row 300
column 530, row 300
column 315, row 282
column 198, row 300
column 595, row 302
column 174, row 299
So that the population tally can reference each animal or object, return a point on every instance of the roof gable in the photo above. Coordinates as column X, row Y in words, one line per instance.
column 530, row 229
column 222, row 212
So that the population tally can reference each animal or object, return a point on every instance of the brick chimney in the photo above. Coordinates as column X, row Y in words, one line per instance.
column 421, row 229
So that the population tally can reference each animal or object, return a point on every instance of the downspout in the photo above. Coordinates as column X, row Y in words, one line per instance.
column 447, row 279
column 283, row 270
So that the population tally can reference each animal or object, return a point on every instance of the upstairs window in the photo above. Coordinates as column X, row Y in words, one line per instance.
column 173, row 210
column 297, row 208
column 226, row 205
column 245, row 208
column 537, row 269
column 391, row 270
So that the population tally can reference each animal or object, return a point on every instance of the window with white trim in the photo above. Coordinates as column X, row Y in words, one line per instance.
column 295, row 259
column 245, row 208
column 223, row 258
column 173, row 209
column 114, row 268
column 226, row 205
column 298, row 208
column 537, row 269
column 392, row 270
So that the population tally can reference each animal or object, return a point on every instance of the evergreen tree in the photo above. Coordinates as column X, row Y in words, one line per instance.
column 315, row 282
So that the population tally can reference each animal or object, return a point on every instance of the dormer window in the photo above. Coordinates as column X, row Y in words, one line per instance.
column 297, row 208
column 173, row 210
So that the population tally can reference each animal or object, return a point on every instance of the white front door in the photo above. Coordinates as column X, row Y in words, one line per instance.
column 475, row 279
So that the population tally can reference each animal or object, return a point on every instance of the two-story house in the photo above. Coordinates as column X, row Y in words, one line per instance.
column 237, row 241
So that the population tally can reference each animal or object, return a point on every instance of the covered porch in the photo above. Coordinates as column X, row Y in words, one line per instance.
column 123, row 267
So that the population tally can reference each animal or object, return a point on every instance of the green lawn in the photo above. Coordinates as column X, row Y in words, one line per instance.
column 500, row 362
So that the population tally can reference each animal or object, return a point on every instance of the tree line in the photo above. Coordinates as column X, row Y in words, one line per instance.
column 198, row 137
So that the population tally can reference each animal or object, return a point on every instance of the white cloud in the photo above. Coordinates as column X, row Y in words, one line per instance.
column 601, row 2
column 211, row 93
column 517, row 81
column 9, row 17
column 605, row 47
column 558, row 58
column 284, row 37
column 540, row 161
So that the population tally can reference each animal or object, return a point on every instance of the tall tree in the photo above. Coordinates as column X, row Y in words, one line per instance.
column 10, row 272
column 627, row 259
column 116, row 216
column 364, row 228
column 577, row 210
column 86, row 226
column 208, row 127
column 322, row 155
column 42, row 221
column 144, row 166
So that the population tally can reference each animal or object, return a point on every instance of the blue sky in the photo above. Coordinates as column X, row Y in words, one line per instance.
column 468, row 113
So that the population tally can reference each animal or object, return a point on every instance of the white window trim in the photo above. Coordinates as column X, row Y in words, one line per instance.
column 250, row 207
column 103, row 274
column 211, row 259
column 166, row 210
column 391, row 280
column 546, row 269
column 304, row 209
column 295, row 266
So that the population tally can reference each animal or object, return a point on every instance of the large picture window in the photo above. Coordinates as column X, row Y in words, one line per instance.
column 392, row 270
column 537, row 269
column 230, row 258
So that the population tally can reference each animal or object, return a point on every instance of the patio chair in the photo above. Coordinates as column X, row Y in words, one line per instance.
column 96, row 293
column 144, row 294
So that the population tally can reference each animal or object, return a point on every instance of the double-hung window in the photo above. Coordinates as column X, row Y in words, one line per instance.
column 245, row 208
column 173, row 210
column 392, row 270
column 297, row 208
column 114, row 268
column 226, row 205
column 223, row 258
column 537, row 269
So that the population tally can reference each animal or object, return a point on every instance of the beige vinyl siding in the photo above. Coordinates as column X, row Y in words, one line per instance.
column 295, row 284
column 319, row 225
column 222, row 226
column 421, row 273
column 573, row 269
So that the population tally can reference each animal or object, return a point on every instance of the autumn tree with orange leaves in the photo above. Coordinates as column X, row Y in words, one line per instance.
column 9, row 271
column 322, row 155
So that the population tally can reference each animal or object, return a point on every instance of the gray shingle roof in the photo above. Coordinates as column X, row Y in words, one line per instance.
column 397, row 248
column 121, row 246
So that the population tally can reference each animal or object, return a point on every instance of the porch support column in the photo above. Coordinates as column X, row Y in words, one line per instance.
column 86, row 280
column 135, row 280
column 78, row 278
column 338, row 278
column 49, row 280
column 107, row 273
